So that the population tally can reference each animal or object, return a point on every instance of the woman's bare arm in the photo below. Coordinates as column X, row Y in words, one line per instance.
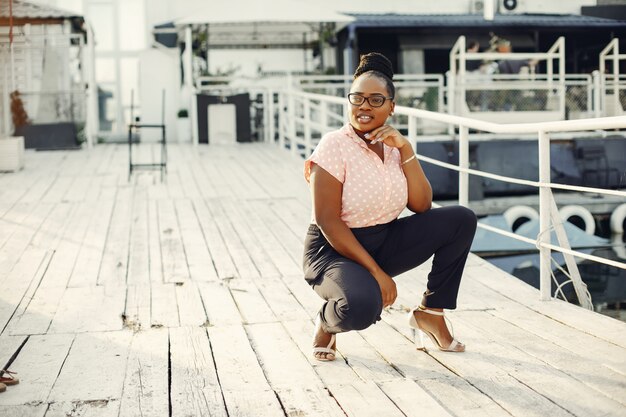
column 326, row 191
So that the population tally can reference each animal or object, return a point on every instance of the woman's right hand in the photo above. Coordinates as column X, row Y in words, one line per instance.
column 388, row 288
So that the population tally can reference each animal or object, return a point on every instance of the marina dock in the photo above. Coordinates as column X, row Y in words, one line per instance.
column 186, row 298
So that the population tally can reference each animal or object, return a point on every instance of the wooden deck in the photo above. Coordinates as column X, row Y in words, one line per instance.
column 186, row 299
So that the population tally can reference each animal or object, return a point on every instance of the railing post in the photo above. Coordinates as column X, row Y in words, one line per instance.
column 597, row 94
column 281, row 120
column 412, row 130
column 324, row 115
column 308, row 146
column 291, row 122
column 545, row 267
column 463, row 164
column 269, row 115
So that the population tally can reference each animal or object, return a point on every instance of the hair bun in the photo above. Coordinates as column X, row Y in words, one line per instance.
column 374, row 61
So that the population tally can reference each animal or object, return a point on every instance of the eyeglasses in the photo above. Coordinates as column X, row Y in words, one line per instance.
column 374, row 101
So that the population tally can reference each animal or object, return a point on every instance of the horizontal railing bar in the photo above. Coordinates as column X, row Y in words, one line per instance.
column 536, row 184
column 515, row 236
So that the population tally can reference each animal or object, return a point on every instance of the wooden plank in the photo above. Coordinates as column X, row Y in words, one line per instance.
column 244, row 264
column 94, row 368
column 261, row 260
column 302, row 291
column 271, row 245
column 95, row 408
column 138, row 251
column 197, row 253
column 89, row 259
column 364, row 359
column 217, row 247
column 172, row 252
column 44, row 295
column 250, row 302
column 335, row 372
column 195, row 164
column 236, row 362
column 13, row 289
column 57, row 190
column 364, row 399
column 195, row 389
column 307, row 401
column 605, row 381
column 137, row 307
column 23, row 410
column 19, row 240
column 190, row 308
column 462, row 398
column 400, row 351
column 154, row 245
column 146, row 390
column 8, row 346
column 602, row 327
column 114, row 266
column 412, row 399
column 219, row 304
column 283, row 363
column 284, row 305
column 90, row 309
column 164, row 310
column 38, row 366
column 291, row 243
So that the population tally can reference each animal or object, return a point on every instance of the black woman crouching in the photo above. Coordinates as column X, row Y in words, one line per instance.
column 362, row 177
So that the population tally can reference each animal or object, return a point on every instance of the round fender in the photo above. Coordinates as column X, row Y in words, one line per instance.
column 516, row 213
column 617, row 219
column 579, row 211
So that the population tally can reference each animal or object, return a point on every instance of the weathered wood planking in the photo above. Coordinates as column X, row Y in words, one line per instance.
column 91, row 266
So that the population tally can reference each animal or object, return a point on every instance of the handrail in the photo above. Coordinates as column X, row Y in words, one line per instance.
column 548, row 219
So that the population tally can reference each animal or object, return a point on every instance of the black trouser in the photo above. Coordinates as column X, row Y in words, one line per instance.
column 353, row 297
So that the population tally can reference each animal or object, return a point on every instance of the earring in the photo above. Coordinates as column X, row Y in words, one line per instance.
column 391, row 114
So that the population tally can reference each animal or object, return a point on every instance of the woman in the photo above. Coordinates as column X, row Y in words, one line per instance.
column 361, row 178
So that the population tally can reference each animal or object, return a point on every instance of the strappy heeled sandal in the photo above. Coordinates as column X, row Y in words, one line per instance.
column 9, row 379
column 328, row 349
column 455, row 345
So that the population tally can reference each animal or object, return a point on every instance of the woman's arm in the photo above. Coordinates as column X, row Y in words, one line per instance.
column 326, row 191
column 420, row 192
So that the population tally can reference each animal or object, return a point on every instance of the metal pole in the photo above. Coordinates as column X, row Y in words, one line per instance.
column 545, row 268
column 463, row 163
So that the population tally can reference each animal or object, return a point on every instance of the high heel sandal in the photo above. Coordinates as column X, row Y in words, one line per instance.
column 455, row 345
column 9, row 379
column 328, row 349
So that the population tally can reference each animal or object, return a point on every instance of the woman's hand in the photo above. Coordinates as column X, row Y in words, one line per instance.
column 387, row 287
column 389, row 135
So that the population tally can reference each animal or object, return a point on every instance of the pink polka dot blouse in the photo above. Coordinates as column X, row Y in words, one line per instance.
column 374, row 192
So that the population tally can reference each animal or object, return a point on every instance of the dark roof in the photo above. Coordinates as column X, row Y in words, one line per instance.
column 477, row 21
column 26, row 12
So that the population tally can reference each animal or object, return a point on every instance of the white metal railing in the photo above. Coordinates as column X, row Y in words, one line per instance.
column 304, row 117
column 611, row 81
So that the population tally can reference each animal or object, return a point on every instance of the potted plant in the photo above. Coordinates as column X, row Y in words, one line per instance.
column 183, row 126
column 12, row 147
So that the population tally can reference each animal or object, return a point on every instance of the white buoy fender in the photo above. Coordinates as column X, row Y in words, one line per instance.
column 579, row 211
column 515, row 213
column 617, row 219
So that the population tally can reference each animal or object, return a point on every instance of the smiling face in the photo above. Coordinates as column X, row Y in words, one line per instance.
column 365, row 117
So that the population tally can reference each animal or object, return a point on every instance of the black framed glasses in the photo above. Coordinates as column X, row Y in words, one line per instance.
column 377, row 100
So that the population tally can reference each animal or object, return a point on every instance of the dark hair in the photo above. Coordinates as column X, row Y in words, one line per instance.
column 379, row 66
column 472, row 43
